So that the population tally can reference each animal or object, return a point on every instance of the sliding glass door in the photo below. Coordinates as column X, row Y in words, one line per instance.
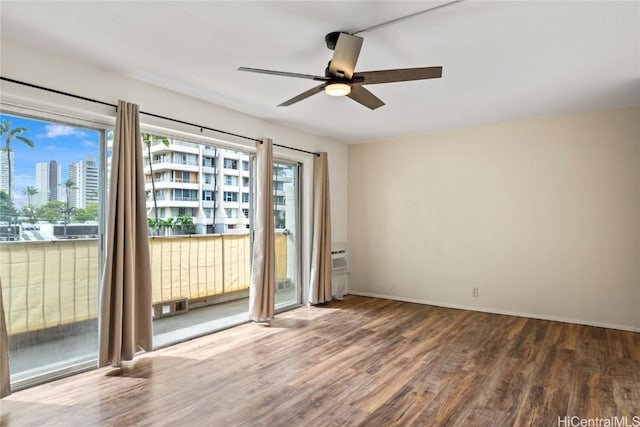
column 286, row 208
column 198, row 215
column 53, row 185
column 51, row 179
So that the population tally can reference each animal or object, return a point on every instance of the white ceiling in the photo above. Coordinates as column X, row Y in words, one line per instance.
column 502, row 59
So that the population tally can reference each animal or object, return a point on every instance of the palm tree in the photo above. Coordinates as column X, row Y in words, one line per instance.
column 149, row 140
column 30, row 191
column 185, row 223
column 166, row 224
column 69, row 185
column 10, row 135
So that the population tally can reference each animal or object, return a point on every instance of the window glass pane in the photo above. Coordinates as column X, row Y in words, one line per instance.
column 285, row 190
column 49, row 254
column 230, row 164
column 199, row 242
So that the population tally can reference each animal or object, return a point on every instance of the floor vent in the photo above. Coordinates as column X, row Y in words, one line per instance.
column 170, row 308
column 284, row 284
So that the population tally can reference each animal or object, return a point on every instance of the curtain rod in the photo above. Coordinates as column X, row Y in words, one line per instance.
column 96, row 101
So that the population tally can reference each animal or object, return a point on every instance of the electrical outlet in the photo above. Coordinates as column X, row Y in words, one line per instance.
column 475, row 292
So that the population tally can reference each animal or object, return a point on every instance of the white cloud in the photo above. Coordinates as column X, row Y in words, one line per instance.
column 55, row 130
column 90, row 144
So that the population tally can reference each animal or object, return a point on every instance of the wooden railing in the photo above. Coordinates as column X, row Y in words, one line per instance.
column 51, row 283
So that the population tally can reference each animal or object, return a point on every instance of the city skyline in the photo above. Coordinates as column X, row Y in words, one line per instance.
column 52, row 141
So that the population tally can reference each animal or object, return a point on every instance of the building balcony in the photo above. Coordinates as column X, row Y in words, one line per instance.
column 206, row 149
column 60, row 287
column 162, row 165
column 232, row 172
column 170, row 184
column 231, row 188
column 231, row 155
column 190, row 203
column 174, row 146
column 147, row 180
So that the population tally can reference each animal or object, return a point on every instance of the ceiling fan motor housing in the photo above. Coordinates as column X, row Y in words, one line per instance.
column 331, row 39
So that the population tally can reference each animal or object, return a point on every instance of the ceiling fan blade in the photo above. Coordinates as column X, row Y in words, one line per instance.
column 400, row 75
column 345, row 55
column 364, row 97
column 303, row 95
column 285, row 74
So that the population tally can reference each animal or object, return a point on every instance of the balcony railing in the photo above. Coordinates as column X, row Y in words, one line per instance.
column 51, row 283
column 147, row 180
column 161, row 160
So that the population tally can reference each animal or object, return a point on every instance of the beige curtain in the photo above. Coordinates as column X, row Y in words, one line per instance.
column 320, row 286
column 125, row 305
column 4, row 353
column 263, row 277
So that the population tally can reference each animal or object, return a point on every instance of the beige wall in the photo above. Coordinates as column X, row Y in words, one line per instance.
column 543, row 215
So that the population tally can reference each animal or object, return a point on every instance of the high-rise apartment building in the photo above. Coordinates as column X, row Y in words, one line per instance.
column 48, row 183
column 209, row 184
column 84, row 175
column 5, row 173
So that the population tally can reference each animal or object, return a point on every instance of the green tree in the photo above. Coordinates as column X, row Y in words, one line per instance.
column 7, row 208
column 90, row 213
column 185, row 224
column 149, row 140
column 8, row 213
column 10, row 135
column 29, row 210
column 69, row 185
column 151, row 222
column 51, row 212
column 166, row 223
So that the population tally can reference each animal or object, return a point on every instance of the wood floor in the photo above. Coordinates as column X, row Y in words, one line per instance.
column 361, row 361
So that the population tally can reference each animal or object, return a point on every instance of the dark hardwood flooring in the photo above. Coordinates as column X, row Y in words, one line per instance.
column 361, row 361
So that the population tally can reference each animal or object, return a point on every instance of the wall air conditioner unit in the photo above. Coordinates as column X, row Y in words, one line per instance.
column 339, row 271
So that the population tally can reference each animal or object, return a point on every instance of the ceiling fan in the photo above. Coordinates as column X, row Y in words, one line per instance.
column 340, row 79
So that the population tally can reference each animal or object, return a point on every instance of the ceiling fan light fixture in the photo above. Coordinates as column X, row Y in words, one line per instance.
column 337, row 89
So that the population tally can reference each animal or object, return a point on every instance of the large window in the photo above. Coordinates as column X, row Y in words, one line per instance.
column 184, row 195
column 52, row 205
column 230, row 164
column 230, row 196
column 50, row 187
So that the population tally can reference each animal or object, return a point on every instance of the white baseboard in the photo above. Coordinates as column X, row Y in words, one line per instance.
column 496, row 311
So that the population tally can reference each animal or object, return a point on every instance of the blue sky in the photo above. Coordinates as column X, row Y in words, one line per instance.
column 53, row 141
